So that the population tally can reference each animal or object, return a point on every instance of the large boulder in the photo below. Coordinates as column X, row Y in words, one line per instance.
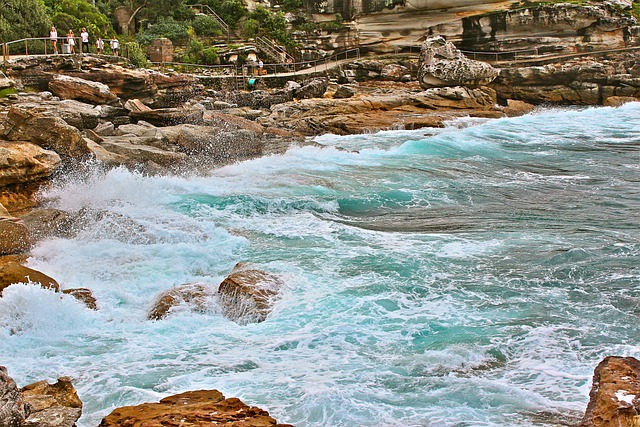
column 45, row 130
column 614, row 399
column 48, row 222
column 202, row 408
column 195, row 296
column 24, row 162
column 169, row 116
column 13, row 410
column 218, row 144
column 67, row 87
column 312, row 89
column 12, row 273
column 247, row 294
column 14, row 237
column 442, row 64
column 52, row 405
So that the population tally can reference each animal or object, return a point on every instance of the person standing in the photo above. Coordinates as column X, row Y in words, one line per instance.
column 99, row 45
column 71, row 41
column 115, row 46
column 53, row 36
column 84, row 36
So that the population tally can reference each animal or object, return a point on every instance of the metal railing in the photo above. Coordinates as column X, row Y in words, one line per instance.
column 276, row 52
column 44, row 46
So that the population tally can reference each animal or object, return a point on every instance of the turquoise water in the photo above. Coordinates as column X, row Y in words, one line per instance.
column 466, row 276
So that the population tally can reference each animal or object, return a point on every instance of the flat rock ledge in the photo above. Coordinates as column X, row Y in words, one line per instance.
column 192, row 408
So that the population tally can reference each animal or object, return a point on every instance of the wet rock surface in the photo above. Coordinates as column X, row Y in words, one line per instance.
column 193, row 408
column 614, row 399
column 247, row 294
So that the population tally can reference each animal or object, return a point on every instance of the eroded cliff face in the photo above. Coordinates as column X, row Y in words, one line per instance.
column 352, row 8
column 384, row 26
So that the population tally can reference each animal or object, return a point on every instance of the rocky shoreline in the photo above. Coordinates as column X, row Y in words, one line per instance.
column 88, row 111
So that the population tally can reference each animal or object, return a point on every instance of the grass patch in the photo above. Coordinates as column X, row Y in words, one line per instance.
column 7, row 91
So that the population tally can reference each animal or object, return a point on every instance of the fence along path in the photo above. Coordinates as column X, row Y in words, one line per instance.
column 290, row 68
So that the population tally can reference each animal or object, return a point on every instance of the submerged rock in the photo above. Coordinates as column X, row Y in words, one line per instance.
column 83, row 295
column 247, row 294
column 614, row 399
column 192, row 408
column 196, row 296
column 442, row 64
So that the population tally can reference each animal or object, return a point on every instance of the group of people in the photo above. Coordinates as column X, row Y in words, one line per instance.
column 114, row 44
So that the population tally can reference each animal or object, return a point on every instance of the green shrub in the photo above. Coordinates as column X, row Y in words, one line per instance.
column 250, row 28
column 136, row 54
column 165, row 27
column 205, row 25
column 210, row 56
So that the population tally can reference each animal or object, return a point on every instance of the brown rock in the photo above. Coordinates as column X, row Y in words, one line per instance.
column 83, row 295
column 67, row 87
column 394, row 72
column 24, row 162
column 14, row 236
column 136, row 105
column 247, row 294
column 52, row 405
column 193, row 408
column 169, row 116
column 13, row 409
column 614, row 400
column 216, row 143
column 195, row 295
column 42, row 395
column 12, row 272
column 517, row 108
column 45, row 130
column 617, row 101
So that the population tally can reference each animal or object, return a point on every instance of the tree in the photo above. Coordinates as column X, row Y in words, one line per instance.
column 23, row 18
column 76, row 14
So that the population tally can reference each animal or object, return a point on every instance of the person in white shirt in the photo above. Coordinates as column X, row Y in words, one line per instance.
column 115, row 46
column 71, row 40
column 53, row 36
column 99, row 45
column 84, row 36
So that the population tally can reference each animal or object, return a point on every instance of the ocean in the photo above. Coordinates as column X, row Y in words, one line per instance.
column 472, row 275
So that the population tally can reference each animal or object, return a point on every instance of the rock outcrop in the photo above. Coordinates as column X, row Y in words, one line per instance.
column 247, row 294
column 195, row 296
column 579, row 81
column 442, row 65
column 45, row 130
column 67, row 87
column 52, row 405
column 23, row 162
column 615, row 394
column 383, row 105
column 194, row 408
column 13, row 409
